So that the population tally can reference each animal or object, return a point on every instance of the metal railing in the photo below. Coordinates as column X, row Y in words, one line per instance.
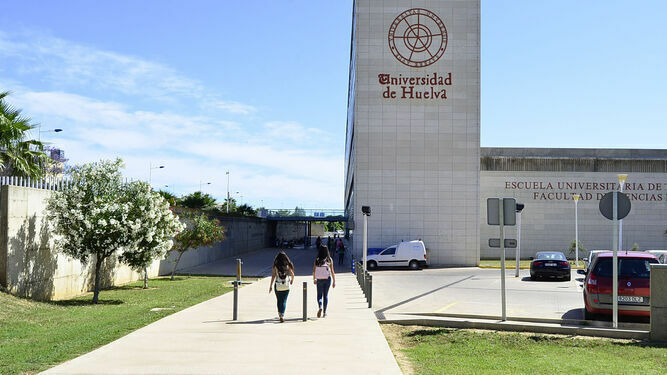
column 310, row 212
column 365, row 280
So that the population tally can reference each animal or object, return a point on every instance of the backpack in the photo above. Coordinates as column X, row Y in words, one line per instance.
column 282, row 282
column 322, row 272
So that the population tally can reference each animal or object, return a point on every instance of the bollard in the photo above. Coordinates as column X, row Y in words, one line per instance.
column 370, row 291
column 305, row 301
column 238, row 270
column 236, row 300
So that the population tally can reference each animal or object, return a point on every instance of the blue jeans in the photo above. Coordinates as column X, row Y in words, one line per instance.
column 323, row 292
column 281, row 296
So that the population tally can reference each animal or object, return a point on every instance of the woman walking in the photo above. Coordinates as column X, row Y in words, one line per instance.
column 324, row 277
column 283, row 274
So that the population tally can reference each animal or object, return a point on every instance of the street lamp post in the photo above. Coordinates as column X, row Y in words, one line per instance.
column 366, row 210
column 40, row 131
column 200, row 184
column 621, row 180
column 576, row 229
column 150, row 171
column 227, row 173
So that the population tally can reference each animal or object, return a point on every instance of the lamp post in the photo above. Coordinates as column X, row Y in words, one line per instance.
column 39, row 134
column 621, row 180
column 576, row 229
column 227, row 173
column 366, row 210
column 150, row 171
column 517, row 256
column 200, row 184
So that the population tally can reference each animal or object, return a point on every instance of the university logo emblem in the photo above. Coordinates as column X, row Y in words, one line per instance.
column 417, row 37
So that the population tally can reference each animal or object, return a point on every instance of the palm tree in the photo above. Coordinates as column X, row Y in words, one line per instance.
column 18, row 155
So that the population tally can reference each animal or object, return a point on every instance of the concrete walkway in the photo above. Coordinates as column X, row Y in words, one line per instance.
column 203, row 339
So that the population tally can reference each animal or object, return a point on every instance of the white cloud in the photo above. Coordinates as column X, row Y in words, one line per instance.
column 280, row 162
column 67, row 64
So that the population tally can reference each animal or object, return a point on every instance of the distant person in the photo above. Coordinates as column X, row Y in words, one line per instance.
column 330, row 243
column 318, row 242
column 283, row 275
column 341, row 254
column 324, row 277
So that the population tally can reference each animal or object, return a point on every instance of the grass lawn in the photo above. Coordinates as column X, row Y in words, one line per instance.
column 37, row 335
column 424, row 350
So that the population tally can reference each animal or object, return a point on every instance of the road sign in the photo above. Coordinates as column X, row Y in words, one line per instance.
column 509, row 210
column 607, row 205
column 509, row 242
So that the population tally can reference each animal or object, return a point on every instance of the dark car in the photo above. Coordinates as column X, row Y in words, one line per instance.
column 634, row 284
column 550, row 264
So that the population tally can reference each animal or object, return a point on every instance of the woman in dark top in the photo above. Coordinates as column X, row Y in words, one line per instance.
column 324, row 277
column 283, row 275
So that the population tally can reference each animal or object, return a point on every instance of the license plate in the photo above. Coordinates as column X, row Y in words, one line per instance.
column 630, row 299
column 550, row 264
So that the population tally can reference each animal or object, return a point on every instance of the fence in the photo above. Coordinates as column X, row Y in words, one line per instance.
column 46, row 183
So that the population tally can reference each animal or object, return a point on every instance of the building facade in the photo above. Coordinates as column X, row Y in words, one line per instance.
column 412, row 147
column 545, row 181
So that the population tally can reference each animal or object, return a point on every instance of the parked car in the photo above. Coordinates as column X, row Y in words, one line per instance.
column 408, row 253
column 660, row 254
column 550, row 264
column 591, row 257
column 634, row 284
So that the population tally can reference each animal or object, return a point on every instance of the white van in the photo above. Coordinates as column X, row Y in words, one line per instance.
column 409, row 253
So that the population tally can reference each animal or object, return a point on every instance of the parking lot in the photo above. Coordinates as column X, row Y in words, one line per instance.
column 475, row 291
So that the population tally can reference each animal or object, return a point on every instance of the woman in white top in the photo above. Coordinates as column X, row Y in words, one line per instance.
column 324, row 277
column 283, row 275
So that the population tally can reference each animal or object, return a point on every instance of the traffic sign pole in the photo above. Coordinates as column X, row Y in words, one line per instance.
column 615, row 264
column 501, row 219
column 518, row 244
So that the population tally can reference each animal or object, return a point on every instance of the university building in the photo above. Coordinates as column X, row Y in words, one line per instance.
column 413, row 148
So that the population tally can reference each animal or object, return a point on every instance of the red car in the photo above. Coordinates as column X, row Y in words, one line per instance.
column 634, row 284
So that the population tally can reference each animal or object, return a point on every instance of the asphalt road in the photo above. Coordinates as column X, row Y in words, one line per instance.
column 475, row 291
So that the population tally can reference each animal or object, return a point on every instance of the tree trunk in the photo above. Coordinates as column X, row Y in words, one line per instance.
column 145, row 278
column 180, row 254
column 98, row 266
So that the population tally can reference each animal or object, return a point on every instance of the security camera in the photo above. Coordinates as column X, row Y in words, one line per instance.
column 366, row 210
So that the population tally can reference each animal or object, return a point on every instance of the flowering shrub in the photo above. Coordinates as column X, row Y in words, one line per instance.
column 153, row 226
column 100, row 215
column 200, row 231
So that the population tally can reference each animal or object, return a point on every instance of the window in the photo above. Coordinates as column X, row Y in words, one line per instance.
column 627, row 267
column 551, row 256
column 389, row 251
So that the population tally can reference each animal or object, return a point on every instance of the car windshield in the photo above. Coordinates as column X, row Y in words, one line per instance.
column 627, row 267
column 389, row 251
column 551, row 256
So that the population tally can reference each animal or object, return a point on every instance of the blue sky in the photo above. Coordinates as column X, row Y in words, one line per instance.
column 260, row 87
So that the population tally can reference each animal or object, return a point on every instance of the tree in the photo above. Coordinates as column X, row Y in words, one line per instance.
column 245, row 210
column 298, row 211
column 169, row 197
column 93, row 215
column 232, row 205
column 573, row 248
column 200, row 231
column 18, row 156
column 157, row 226
column 197, row 200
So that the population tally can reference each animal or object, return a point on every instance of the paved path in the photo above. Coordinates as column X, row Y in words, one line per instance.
column 204, row 340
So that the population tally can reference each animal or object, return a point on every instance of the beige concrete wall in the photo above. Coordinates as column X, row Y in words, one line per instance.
column 242, row 235
column 29, row 264
column 290, row 230
column 548, row 218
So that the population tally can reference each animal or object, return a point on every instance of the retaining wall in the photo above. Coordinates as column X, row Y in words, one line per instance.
column 31, row 267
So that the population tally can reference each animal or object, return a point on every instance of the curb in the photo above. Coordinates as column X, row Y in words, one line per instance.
column 518, row 327
column 520, row 267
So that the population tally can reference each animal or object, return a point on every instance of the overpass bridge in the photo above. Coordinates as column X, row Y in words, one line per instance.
column 303, row 215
